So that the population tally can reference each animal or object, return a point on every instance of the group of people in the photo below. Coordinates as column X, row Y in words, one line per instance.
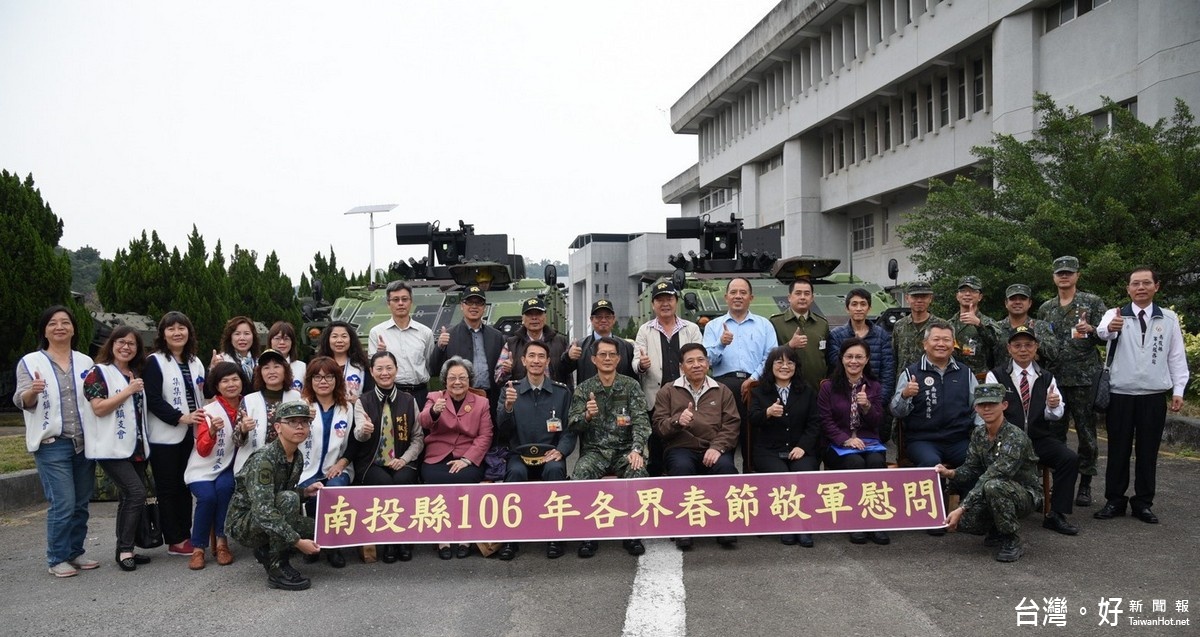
column 251, row 437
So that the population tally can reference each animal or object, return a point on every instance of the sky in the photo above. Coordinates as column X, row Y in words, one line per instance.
column 261, row 123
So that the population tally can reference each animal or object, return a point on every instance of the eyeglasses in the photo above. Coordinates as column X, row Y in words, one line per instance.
column 457, row 379
column 783, row 362
column 125, row 345
column 324, row 378
column 854, row 357
column 297, row 424
column 607, row 355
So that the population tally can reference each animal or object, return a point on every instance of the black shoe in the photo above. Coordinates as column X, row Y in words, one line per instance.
column 405, row 552
column 787, row 539
column 1084, row 497
column 1011, row 549
column 287, row 580
column 634, row 547
column 993, row 539
column 336, row 558
column 388, row 554
column 141, row 559
column 285, row 565
column 445, row 553
column 554, row 550
column 1057, row 522
column 727, row 541
column 507, row 552
column 858, row 537
column 588, row 548
column 463, row 551
column 805, row 540
column 881, row 538
column 311, row 559
column 127, row 564
column 683, row 543
column 1109, row 511
column 939, row 532
column 1146, row 515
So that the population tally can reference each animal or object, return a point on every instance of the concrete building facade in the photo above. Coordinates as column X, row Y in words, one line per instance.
column 829, row 118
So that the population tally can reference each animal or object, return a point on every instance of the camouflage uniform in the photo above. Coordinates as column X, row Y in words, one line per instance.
column 908, row 342
column 266, row 507
column 604, row 446
column 1041, row 330
column 1076, row 364
column 975, row 346
column 1008, row 486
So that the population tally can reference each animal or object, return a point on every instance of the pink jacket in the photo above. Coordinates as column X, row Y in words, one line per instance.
column 463, row 434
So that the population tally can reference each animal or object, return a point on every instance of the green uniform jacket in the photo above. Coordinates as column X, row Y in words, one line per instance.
column 1009, row 457
column 975, row 346
column 602, row 433
column 813, row 366
column 1077, row 360
column 908, row 342
column 266, row 474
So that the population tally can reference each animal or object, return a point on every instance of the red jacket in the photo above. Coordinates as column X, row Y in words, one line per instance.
column 463, row 434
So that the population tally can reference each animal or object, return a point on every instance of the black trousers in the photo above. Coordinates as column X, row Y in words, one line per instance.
column 767, row 461
column 130, row 478
column 735, row 385
column 174, row 498
column 1134, row 421
column 1064, row 463
column 439, row 473
column 855, row 461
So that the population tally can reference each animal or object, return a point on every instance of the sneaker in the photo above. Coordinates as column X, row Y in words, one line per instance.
column 184, row 548
column 1011, row 550
column 63, row 569
column 84, row 564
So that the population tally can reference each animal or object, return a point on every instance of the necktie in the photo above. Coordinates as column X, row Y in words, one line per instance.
column 1025, row 392
column 1142, row 321
column 783, row 395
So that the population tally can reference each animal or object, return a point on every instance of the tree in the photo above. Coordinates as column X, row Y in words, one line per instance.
column 85, row 271
column 33, row 275
column 138, row 279
column 1116, row 198
column 333, row 279
column 201, row 294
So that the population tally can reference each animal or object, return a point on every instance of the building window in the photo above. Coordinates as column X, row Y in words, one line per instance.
column 977, row 71
column 606, row 266
column 772, row 163
column 597, row 264
column 887, row 127
column 1063, row 12
column 929, row 108
column 944, row 101
column 913, row 114
column 863, row 231
column 862, row 139
column 714, row 198
column 597, row 288
column 606, row 289
column 962, row 93
column 887, row 225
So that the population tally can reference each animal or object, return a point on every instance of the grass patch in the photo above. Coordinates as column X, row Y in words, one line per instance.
column 11, row 419
column 13, row 456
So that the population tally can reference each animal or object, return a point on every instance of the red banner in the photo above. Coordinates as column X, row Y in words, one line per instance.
column 751, row 504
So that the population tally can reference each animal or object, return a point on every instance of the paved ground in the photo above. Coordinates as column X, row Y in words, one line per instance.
column 919, row 585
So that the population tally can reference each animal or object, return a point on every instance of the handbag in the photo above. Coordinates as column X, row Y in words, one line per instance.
column 1102, row 388
column 495, row 463
column 149, row 531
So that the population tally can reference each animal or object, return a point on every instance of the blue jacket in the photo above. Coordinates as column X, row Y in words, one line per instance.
column 883, row 359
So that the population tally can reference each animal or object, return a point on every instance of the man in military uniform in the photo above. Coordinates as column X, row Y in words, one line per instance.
column 974, row 333
column 1018, row 300
column 1003, row 468
column 805, row 331
column 1073, row 316
column 530, row 417
column 578, row 357
column 608, row 413
column 266, row 512
column 908, row 335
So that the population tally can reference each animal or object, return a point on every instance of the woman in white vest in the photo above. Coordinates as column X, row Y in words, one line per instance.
column 282, row 338
column 324, row 451
column 239, row 345
column 209, row 473
column 340, row 342
column 273, row 382
column 116, row 434
column 174, row 379
column 49, row 394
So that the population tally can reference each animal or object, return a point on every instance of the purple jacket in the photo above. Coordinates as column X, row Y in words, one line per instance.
column 834, row 407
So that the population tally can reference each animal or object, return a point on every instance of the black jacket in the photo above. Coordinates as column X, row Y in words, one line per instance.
column 800, row 425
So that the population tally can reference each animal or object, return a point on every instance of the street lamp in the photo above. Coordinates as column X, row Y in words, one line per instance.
column 370, row 211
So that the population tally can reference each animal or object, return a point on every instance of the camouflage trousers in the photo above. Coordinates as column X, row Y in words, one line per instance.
column 1005, row 503
column 243, row 529
column 1080, row 412
column 593, row 465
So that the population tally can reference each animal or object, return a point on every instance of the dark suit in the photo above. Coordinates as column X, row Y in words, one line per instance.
column 800, row 426
column 584, row 368
column 462, row 344
column 1049, row 437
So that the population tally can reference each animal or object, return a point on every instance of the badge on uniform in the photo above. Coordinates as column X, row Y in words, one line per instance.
column 553, row 424
column 340, row 428
column 929, row 381
column 821, row 345
column 623, row 418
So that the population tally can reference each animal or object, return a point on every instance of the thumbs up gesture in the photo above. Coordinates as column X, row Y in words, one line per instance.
column 861, row 397
column 798, row 340
column 726, row 335
column 443, row 338
column 1117, row 323
column 1053, row 400
column 910, row 388
column 510, row 396
column 39, row 383
column 968, row 316
column 216, row 358
column 380, row 344
column 439, row 405
column 575, row 351
column 643, row 360
column 685, row 417
column 776, row 409
column 366, row 428
column 136, row 385
column 592, row 407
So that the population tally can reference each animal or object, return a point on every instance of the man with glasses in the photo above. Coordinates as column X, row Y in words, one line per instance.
column 577, row 358
column 472, row 340
column 266, row 512
column 1073, row 317
column 411, row 342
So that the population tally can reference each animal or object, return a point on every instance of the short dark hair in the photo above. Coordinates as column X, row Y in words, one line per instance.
column 801, row 280
column 860, row 293
column 105, row 355
column 286, row 329
column 691, row 347
column 325, row 365
column 176, row 318
column 767, row 376
column 44, row 320
column 936, row 324
column 260, row 384
column 839, row 371
column 1153, row 274
column 397, row 286
column 378, row 355
column 749, row 285
column 608, row 340
column 540, row 344
column 219, row 372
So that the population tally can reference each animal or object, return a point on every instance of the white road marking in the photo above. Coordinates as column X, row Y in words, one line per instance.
column 657, row 602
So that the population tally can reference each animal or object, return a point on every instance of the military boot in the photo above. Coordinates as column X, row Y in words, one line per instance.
column 1011, row 549
column 283, row 576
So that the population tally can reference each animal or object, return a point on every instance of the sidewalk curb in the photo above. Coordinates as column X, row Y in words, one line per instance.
column 20, row 489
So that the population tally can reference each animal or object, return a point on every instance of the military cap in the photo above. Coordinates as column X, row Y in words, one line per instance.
column 292, row 409
column 970, row 281
column 1066, row 264
column 602, row 304
column 1023, row 331
column 533, row 454
column 989, row 393
column 664, row 287
column 919, row 287
column 1018, row 289
column 536, row 304
column 273, row 355
column 474, row 291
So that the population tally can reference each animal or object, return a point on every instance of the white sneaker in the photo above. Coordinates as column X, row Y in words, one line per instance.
column 63, row 569
column 84, row 564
